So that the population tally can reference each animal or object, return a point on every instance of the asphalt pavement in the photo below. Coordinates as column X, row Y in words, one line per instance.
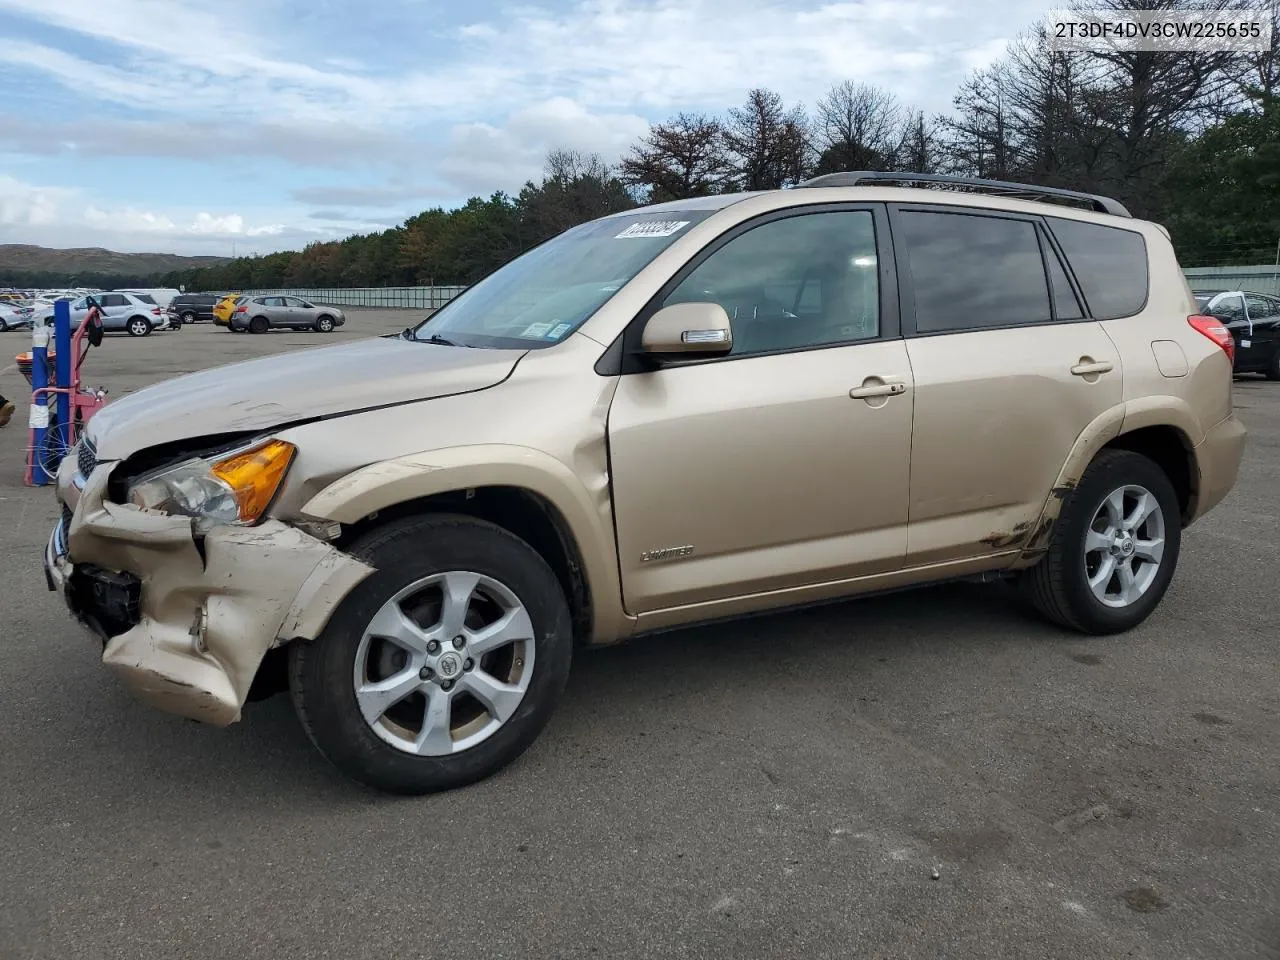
column 933, row 774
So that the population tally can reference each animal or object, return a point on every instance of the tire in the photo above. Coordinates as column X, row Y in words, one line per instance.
column 259, row 325
column 187, row 317
column 139, row 327
column 4, row 327
column 1059, row 585
column 324, row 673
column 324, row 324
column 1273, row 368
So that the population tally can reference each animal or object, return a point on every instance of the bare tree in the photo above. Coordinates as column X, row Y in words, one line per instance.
column 857, row 126
column 685, row 157
column 921, row 148
column 565, row 164
column 768, row 143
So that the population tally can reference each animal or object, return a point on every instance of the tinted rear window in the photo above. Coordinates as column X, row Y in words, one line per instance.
column 974, row 271
column 1109, row 263
column 145, row 298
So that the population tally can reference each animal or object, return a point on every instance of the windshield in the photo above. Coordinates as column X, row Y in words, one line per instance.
column 541, row 297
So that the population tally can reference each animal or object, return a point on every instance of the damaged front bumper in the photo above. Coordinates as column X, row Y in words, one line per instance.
column 185, row 624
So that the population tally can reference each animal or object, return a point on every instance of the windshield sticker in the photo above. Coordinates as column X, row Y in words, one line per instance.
column 536, row 330
column 558, row 331
column 653, row 228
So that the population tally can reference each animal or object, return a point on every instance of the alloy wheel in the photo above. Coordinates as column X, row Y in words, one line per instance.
column 1124, row 545
column 444, row 663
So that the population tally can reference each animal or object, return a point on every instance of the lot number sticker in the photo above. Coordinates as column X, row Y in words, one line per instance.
column 653, row 228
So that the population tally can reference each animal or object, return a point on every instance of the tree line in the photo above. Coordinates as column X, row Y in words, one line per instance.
column 1189, row 139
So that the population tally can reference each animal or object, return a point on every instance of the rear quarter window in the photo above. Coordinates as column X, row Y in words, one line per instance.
column 1110, row 264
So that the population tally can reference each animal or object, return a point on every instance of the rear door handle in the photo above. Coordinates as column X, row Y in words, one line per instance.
column 876, row 388
column 1092, row 367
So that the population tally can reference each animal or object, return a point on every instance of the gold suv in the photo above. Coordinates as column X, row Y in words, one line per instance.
column 695, row 410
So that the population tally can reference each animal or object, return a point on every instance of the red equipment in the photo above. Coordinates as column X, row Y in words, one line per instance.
column 84, row 402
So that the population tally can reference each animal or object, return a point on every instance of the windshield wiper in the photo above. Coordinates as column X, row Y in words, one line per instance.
column 436, row 338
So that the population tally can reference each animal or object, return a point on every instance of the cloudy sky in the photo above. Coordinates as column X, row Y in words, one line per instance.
column 190, row 125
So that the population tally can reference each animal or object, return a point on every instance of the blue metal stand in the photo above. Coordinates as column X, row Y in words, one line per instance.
column 62, row 370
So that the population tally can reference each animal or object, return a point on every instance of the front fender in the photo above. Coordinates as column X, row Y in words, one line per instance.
column 585, row 509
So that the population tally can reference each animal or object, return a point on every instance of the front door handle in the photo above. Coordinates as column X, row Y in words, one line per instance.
column 1089, row 368
column 877, row 388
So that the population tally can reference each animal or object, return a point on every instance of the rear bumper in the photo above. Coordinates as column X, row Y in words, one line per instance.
column 184, row 628
column 1218, row 458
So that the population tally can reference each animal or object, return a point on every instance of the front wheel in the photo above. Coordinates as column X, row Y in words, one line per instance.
column 324, row 324
column 139, row 327
column 443, row 665
column 1113, row 550
column 1273, row 368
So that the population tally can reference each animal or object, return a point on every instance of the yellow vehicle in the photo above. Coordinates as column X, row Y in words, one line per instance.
column 224, row 308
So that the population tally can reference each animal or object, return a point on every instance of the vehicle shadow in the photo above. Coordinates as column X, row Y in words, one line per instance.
column 833, row 649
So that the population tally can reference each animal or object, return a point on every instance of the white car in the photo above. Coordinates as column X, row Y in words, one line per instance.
column 136, row 313
column 14, row 316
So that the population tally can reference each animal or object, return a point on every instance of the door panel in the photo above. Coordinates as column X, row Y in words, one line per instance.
column 1006, row 379
column 996, row 414
column 760, row 473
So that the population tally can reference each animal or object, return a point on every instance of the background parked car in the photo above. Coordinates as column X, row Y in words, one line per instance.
column 1254, row 322
column 223, row 309
column 135, row 313
column 260, row 314
column 14, row 316
column 192, row 307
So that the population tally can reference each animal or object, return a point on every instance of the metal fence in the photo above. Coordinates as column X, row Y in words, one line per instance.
column 413, row 298
column 1264, row 278
column 1259, row 279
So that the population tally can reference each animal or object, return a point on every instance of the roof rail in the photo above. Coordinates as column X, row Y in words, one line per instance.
column 1003, row 188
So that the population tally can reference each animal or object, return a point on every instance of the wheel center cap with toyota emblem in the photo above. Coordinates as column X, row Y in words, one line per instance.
column 449, row 666
column 1126, row 547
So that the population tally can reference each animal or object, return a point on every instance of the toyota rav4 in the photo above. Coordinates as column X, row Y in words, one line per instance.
column 690, row 411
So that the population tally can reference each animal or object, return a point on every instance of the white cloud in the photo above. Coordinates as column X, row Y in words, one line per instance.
column 609, row 55
column 28, row 205
column 477, row 113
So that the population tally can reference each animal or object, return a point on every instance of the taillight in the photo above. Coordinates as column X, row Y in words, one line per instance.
column 244, row 309
column 157, row 311
column 1212, row 328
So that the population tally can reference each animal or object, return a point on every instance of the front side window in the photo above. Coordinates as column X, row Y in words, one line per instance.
column 970, row 271
column 541, row 297
column 801, row 281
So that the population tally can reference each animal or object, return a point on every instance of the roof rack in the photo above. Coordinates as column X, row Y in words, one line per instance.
column 1003, row 188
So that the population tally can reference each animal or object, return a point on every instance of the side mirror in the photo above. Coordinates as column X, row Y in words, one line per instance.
column 688, row 329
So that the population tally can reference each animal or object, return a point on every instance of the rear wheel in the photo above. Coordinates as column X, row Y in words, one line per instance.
column 258, row 325
column 324, row 324
column 1273, row 368
column 442, row 666
column 188, row 317
column 139, row 326
column 1114, row 548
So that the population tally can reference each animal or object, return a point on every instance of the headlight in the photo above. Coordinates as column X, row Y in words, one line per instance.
column 236, row 487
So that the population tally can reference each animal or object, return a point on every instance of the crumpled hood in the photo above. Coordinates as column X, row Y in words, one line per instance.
column 285, row 388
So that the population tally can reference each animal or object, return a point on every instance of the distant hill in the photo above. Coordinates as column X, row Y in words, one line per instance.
column 22, row 263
